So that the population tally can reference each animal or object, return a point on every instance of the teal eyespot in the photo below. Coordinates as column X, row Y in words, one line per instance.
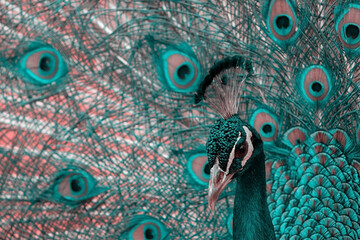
column 282, row 21
column 199, row 169
column 72, row 186
column 315, row 84
column 266, row 124
column 347, row 25
column 78, row 185
column 179, row 72
column 147, row 228
column 267, row 130
column 350, row 33
column 295, row 136
column 316, row 88
column 43, row 65
column 283, row 24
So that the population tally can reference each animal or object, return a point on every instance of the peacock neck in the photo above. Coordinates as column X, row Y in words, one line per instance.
column 251, row 214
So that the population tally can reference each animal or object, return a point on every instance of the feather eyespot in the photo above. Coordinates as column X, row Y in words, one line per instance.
column 72, row 187
column 348, row 26
column 266, row 124
column 295, row 136
column 43, row 65
column 199, row 168
column 282, row 21
column 315, row 84
column 147, row 228
column 181, row 72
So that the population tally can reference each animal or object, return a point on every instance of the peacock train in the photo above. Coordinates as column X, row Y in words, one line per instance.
column 168, row 119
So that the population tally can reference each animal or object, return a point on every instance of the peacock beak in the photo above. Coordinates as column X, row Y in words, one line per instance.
column 218, row 181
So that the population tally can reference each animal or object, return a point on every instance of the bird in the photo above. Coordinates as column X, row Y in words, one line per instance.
column 235, row 151
column 116, row 116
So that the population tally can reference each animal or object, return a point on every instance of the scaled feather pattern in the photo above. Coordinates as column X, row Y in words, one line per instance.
column 100, row 136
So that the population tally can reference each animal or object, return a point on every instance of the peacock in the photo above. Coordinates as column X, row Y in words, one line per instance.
column 168, row 119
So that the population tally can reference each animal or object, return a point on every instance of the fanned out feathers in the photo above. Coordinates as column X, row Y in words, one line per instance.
column 100, row 136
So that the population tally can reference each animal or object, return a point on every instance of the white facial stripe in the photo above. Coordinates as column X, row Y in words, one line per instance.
column 250, row 146
column 249, row 152
column 232, row 154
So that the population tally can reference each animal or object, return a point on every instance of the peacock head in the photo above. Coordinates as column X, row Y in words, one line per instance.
column 233, row 146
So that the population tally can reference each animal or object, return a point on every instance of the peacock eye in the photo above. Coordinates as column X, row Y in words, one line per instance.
column 315, row 84
column 72, row 187
column 241, row 149
column 295, row 136
column 147, row 228
column 266, row 124
column 199, row 168
column 282, row 21
column 180, row 71
column 43, row 66
column 348, row 26
column 207, row 169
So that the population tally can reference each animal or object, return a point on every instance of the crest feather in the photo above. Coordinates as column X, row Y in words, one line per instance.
column 223, row 88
